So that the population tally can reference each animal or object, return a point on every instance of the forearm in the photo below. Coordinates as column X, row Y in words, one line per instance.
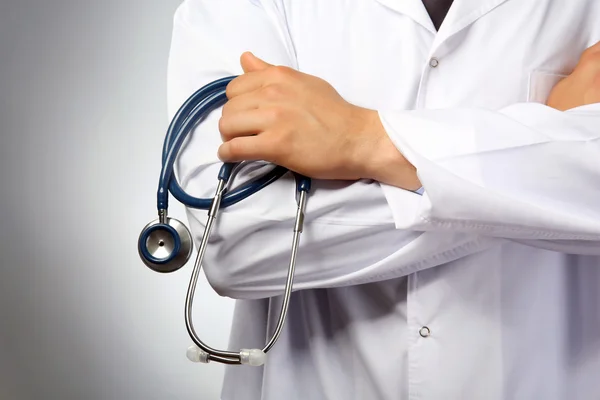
column 349, row 238
column 524, row 172
column 380, row 160
column 349, row 235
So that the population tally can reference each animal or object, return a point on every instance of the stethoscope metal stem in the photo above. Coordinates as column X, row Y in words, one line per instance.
column 298, row 226
column 230, row 357
column 162, row 216
column 227, row 357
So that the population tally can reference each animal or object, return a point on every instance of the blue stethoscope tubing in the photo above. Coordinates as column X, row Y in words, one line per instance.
column 165, row 244
column 190, row 113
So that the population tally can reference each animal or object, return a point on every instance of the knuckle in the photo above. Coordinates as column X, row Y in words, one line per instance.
column 274, row 114
column 273, row 91
column 280, row 72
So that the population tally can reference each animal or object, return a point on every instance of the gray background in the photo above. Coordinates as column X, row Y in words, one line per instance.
column 82, row 118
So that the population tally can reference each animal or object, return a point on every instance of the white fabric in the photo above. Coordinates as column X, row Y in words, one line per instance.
column 499, row 258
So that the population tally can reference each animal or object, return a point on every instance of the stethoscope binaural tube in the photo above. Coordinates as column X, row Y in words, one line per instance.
column 254, row 357
column 165, row 244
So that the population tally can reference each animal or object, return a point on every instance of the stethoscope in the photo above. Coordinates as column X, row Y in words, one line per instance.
column 165, row 244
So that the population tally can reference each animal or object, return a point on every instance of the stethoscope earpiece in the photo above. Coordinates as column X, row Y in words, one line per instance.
column 165, row 247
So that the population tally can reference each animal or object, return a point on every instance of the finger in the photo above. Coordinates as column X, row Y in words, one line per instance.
column 251, row 63
column 243, row 123
column 245, row 148
column 250, row 80
column 246, row 83
column 266, row 97
column 256, row 80
column 244, row 102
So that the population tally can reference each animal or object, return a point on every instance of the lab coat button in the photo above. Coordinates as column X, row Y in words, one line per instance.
column 424, row 331
column 434, row 62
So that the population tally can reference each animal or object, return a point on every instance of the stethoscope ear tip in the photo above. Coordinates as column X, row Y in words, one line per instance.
column 195, row 354
column 252, row 357
column 165, row 247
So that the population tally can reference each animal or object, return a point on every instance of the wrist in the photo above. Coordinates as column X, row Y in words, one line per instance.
column 378, row 158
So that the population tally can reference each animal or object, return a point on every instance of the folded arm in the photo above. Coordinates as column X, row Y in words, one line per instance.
column 528, row 172
column 524, row 173
column 349, row 235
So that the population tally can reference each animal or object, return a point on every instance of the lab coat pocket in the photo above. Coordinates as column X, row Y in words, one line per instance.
column 541, row 84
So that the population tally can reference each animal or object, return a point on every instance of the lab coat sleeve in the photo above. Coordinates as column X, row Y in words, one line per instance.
column 527, row 173
column 349, row 234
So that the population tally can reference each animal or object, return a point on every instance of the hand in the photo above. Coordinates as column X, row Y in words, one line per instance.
column 582, row 87
column 300, row 122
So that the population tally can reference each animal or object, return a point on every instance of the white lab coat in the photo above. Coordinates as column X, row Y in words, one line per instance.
column 499, row 258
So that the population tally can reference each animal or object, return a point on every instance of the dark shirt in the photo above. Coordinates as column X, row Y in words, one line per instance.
column 437, row 10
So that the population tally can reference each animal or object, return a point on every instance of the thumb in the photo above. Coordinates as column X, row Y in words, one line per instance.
column 251, row 63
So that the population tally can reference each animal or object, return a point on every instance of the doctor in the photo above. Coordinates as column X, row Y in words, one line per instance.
column 452, row 242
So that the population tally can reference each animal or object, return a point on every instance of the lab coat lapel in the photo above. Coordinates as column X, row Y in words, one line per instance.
column 413, row 9
column 462, row 14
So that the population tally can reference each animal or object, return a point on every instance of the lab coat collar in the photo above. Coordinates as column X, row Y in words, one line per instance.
column 413, row 9
column 462, row 14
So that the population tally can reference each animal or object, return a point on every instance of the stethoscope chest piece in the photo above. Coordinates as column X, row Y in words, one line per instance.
column 165, row 247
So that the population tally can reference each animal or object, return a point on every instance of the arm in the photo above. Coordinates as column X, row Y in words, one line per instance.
column 528, row 172
column 349, row 235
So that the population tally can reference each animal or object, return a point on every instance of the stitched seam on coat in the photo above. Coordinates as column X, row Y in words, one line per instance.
column 544, row 234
